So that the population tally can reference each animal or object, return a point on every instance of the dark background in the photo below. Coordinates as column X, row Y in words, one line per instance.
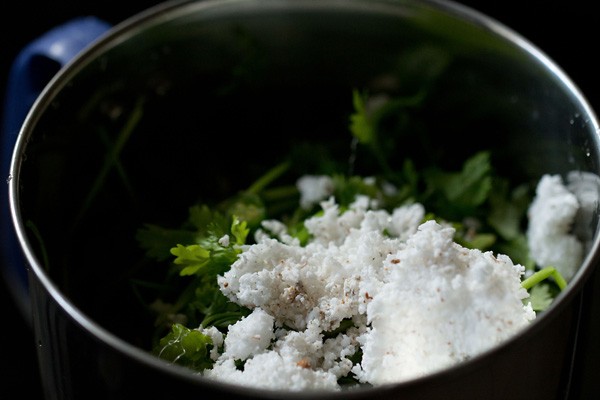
column 565, row 30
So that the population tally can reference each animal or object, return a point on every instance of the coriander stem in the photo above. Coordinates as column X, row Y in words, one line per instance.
column 269, row 177
column 560, row 281
column 542, row 274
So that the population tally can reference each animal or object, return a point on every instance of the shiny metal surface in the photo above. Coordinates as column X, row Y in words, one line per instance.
column 532, row 113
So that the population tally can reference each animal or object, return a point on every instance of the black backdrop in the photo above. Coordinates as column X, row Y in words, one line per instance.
column 565, row 30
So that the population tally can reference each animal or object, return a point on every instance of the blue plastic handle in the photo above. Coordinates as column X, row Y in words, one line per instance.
column 30, row 72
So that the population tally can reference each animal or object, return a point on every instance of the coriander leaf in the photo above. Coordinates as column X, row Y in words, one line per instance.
column 470, row 186
column 240, row 230
column 518, row 249
column 508, row 210
column 540, row 297
column 192, row 258
column 201, row 216
column 347, row 188
column 186, row 347
column 247, row 207
column 481, row 241
column 456, row 195
column 157, row 241
column 361, row 125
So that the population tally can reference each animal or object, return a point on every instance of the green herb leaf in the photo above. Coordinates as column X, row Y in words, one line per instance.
column 158, row 241
column 186, row 347
column 469, row 187
column 192, row 258
column 540, row 297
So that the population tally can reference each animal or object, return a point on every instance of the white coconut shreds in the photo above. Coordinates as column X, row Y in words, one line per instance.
column 313, row 189
column 440, row 304
column 418, row 301
column 551, row 216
